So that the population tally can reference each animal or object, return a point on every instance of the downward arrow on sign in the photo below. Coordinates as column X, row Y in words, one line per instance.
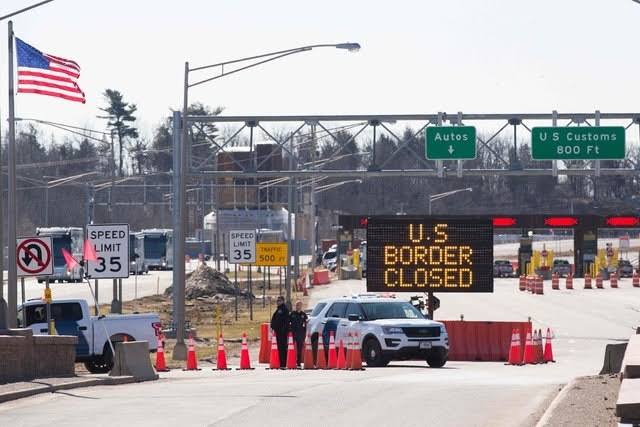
column 450, row 150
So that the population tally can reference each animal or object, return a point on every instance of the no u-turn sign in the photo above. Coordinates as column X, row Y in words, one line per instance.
column 34, row 257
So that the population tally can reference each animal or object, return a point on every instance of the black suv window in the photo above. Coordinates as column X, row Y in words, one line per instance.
column 318, row 308
column 354, row 309
column 337, row 310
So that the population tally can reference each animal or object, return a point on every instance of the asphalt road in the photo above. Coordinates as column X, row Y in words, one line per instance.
column 407, row 393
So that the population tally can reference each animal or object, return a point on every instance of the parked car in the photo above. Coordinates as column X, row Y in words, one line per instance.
column 330, row 258
column 72, row 317
column 503, row 268
column 388, row 329
column 561, row 267
column 625, row 268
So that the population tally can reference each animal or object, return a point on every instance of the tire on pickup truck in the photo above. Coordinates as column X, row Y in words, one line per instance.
column 103, row 363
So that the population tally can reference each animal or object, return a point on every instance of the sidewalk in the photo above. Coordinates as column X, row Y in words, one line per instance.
column 19, row 390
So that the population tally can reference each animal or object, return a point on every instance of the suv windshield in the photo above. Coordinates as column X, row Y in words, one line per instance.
column 390, row 310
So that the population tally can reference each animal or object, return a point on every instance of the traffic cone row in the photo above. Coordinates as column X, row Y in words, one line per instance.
column 192, row 359
column 292, row 363
column 221, row 362
column 333, row 356
column 569, row 281
column 161, row 364
column 308, row 354
column 613, row 278
column 356, row 355
column 534, row 352
column 274, row 359
column 346, row 357
column 514, row 350
column 245, row 360
column 342, row 361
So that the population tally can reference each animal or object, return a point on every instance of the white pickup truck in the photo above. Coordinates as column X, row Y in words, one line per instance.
column 72, row 317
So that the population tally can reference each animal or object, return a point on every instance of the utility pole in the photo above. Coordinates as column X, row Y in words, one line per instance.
column 116, row 304
column 312, row 201
column 179, row 141
column 288, row 273
column 12, row 292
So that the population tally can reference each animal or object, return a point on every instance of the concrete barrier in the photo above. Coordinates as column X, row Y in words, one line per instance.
column 24, row 357
column 483, row 341
column 628, row 404
column 132, row 359
column 631, row 360
column 321, row 277
column 613, row 355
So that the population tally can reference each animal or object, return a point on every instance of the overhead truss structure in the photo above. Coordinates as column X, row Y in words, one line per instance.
column 506, row 126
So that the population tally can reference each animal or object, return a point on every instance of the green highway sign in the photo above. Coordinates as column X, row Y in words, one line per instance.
column 450, row 142
column 578, row 143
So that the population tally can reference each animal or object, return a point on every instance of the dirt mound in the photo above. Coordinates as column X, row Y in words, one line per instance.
column 204, row 281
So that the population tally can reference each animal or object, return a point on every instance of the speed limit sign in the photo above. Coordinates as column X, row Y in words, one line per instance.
column 242, row 246
column 111, row 244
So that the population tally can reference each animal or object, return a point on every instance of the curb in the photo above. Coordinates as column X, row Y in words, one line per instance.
column 546, row 417
column 44, row 388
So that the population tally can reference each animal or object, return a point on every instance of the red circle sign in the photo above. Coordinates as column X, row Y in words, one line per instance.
column 42, row 263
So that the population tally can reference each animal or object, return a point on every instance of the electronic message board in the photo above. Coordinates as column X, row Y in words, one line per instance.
column 429, row 254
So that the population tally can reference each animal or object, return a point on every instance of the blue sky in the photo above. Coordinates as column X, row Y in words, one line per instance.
column 417, row 56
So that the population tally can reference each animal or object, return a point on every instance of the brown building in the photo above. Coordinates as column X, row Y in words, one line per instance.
column 243, row 192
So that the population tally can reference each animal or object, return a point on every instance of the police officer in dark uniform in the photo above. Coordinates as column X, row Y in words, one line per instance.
column 299, row 329
column 280, row 324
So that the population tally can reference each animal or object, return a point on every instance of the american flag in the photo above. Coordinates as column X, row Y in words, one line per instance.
column 45, row 74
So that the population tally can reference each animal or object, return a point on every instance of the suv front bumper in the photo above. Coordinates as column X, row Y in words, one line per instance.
column 402, row 347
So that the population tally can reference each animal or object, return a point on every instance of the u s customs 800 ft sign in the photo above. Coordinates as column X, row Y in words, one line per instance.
column 429, row 254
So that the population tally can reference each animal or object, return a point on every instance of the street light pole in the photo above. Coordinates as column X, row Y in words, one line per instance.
column 179, row 172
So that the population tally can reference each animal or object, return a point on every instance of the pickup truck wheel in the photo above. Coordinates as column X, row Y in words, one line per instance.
column 372, row 353
column 437, row 358
column 100, row 364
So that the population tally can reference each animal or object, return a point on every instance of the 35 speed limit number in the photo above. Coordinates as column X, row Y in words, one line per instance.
column 242, row 246
column 111, row 243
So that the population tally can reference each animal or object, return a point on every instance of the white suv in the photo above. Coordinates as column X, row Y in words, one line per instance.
column 389, row 329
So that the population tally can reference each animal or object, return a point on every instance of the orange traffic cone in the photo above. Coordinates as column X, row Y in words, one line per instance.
column 308, row 354
column 356, row 357
column 161, row 365
column 221, row 363
column 539, row 349
column 321, row 360
column 274, row 359
column 342, row 362
column 548, row 350
column 291, row 353
column 333, row 361
column 245, row 362
column 192, row 360
column 349, row 349
column 514, row 350
column 529, row 358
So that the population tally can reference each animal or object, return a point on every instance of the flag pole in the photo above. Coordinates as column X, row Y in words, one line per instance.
column 12, row 293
